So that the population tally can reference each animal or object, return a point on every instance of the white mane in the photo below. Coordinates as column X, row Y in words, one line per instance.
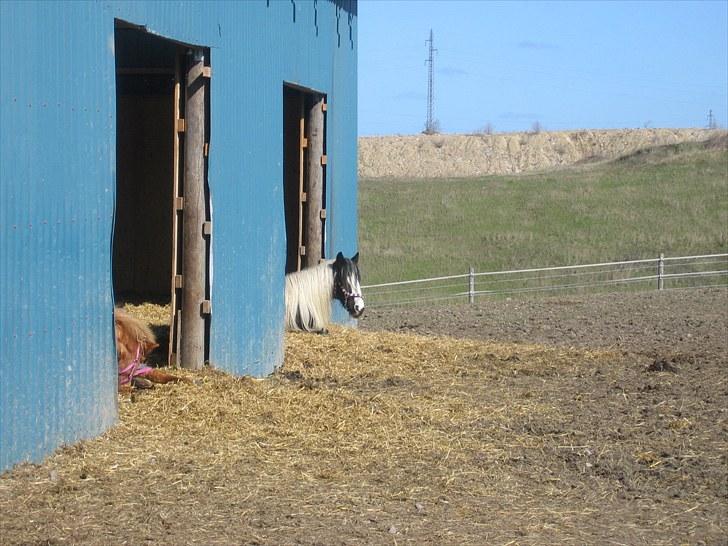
column 308, row 298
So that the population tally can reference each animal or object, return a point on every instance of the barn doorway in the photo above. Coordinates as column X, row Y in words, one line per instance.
column 304, row 176
column 157, row 192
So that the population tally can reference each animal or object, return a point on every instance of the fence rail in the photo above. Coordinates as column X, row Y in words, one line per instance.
column 661, row 273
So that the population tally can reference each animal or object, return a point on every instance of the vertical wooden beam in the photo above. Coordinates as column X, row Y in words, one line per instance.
column 315, row 172
column 192, row 347
column 301, row 172
column 172, row 351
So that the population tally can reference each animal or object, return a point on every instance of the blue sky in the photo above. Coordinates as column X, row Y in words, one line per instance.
column 564, row 65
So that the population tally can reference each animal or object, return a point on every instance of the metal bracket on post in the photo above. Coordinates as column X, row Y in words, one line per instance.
column 198, row 56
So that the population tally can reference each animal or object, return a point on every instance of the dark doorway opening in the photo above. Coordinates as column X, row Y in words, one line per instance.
column 148, row 247
column 145, row 80
column 304, row 176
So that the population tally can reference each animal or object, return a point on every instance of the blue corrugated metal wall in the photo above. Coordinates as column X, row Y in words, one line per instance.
column 58, row 367
column 57, row 110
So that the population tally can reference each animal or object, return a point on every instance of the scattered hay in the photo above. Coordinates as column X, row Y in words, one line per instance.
column 156, row 315
column 153, row 313
column 359, row 438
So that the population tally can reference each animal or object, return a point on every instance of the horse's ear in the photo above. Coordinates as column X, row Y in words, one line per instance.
column 340, row 257
column 355, row 258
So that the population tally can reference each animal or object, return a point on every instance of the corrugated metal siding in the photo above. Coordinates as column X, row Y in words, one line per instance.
column 246, row 178
column 256, row 47
column 342, row 147
column 58, row 366
column 57, row 373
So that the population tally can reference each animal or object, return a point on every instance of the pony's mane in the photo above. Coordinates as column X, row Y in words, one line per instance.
column 131, row 333
column 133, row 326
column 308, row 297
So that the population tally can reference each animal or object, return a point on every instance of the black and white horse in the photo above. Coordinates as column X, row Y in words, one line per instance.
column 309, row 293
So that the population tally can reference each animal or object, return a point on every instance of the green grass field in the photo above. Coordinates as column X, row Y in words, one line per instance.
column 671, row 199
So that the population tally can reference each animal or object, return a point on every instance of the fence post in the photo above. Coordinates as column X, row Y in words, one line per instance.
column 661, row 272
column 471, row 285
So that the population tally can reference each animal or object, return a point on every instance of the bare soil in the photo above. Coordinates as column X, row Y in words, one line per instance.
column 688, row 322
column 574, row 420
column 674, row 373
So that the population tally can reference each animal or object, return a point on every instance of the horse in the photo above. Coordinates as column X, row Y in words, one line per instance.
column 134, row 341
column 309, row 293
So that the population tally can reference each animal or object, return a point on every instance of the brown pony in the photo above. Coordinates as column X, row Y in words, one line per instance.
column 134, row 342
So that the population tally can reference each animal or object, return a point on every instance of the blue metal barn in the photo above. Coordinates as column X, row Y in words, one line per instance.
column 94, row 151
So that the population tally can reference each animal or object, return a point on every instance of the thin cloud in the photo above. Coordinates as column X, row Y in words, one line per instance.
column 530, row 44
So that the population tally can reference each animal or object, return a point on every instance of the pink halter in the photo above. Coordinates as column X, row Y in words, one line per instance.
column 135, row 369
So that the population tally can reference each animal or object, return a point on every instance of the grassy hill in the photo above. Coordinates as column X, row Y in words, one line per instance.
column 671, row 199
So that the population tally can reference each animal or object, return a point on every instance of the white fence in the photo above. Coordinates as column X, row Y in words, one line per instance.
column 658, row 273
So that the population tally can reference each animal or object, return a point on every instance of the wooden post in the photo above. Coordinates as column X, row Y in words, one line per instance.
column 192, row 347
column 471, row 285
column 314, row 192
column 661, row 272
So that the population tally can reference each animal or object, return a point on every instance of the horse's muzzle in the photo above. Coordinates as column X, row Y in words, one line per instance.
column 356, row 307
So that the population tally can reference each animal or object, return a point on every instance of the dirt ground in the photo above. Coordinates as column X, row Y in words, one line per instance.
column 657, row 323
column 674, row 373
column 573, row 420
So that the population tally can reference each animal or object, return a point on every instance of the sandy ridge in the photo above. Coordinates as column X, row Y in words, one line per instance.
column 417, row 156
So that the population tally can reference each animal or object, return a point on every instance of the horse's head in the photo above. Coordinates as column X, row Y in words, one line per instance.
column 346, row 284
column 134, row 340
